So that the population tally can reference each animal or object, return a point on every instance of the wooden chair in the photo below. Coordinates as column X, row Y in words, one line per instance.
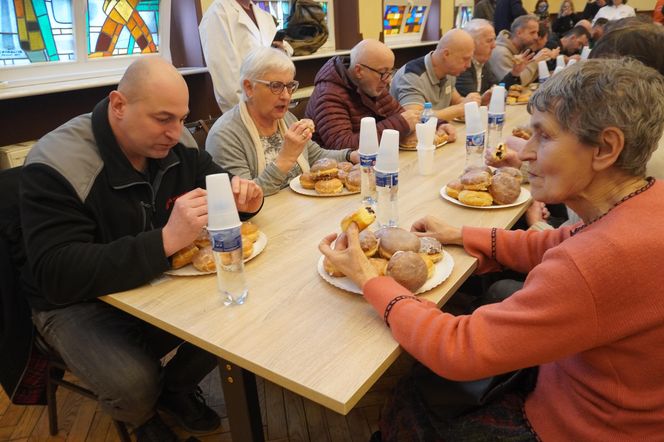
column 199, row 130
column 55, row 367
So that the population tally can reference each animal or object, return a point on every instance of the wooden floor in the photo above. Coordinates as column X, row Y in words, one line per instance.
column 286, row 416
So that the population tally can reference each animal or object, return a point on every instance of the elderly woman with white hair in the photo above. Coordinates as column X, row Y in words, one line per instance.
column 259, row 139
column 591, row 312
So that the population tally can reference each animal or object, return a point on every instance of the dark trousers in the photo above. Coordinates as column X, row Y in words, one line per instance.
column 118, row 357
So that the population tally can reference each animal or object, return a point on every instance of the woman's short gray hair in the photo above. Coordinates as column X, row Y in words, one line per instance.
column 261, row 61
column 592, row 95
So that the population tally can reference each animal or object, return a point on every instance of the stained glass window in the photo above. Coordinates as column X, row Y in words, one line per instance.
column 33, row 31
column 415, row 19
column 393, row 19
column 122, row 27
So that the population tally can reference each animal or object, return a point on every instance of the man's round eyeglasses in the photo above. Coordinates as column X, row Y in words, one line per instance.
column 277, row 87
column 384, row 75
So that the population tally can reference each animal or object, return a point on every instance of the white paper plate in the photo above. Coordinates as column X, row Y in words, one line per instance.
column 190, row 270
column 523, row 197
column 414, row 149
column 442, row 270
column 297, row 188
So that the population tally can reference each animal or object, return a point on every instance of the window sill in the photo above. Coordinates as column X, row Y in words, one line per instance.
column 7, row 92
column 330, row 54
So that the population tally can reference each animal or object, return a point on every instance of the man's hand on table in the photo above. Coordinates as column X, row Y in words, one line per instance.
column 437, row 228
column 412, row 117
column 448, row 129
column 347, row 255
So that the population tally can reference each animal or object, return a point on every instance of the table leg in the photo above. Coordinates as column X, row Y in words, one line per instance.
column 241, row 396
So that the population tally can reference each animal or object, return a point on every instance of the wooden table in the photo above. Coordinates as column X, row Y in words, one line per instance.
column 295, row 329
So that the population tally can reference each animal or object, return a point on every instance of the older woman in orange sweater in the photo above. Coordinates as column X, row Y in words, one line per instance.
column 591, row 312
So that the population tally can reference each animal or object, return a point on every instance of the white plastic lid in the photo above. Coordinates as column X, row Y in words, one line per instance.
column 560, row 61
column 543, row 69
column 473, row 120
column 388, row 153
column 222, row 212
column 368, row 136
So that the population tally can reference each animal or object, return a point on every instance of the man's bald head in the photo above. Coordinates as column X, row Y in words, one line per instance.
column 147, row 111
column 148, row 75
column 371, row 52
column 453, row 53
column 371, row 67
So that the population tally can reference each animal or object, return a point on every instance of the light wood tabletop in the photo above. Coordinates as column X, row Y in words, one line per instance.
column 295, row 329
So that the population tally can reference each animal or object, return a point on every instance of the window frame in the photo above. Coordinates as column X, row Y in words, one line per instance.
column 84, row 67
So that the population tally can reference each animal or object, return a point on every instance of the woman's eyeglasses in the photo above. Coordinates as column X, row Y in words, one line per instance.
column 277, row 87
column 384, row 76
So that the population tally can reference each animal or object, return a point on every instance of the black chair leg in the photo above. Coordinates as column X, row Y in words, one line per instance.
column 121, row 428
column 51, row 405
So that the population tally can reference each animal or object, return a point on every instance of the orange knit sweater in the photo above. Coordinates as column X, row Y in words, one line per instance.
column 591, row 315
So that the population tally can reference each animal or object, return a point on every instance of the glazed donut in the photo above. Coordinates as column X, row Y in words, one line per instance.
column 324, row 168
column 368, row 242
column 453, row 188
column 511, row 171
column 329, row 187
column 394, row 239
column 379, row 264
column 247, row 247
column 476, row 179
column 249, row 230
column 342, row 175
column 432, row 248
column 363, row 217
column 500, row 151
column 330, row 269
column 203, row 239
column 522, row 132
column 183, row 256
column 430, row 266
column 204, row 260
column 408, row 269
column 354, row 180
column 516, row 87
column 345, row 166
column 505, row 189
column 475, row 198
column 307, row 181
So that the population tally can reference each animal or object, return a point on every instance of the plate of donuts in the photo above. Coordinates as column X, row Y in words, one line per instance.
column 189, row 269
column 442, row 270
column 331, row 187
column 522, row 198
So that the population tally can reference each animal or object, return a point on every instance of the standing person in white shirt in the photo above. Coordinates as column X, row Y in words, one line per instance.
column 229, row 30
column 615, row 10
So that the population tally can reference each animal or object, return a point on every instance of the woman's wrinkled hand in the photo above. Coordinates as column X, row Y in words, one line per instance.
column 347, row 255
column 437, row 228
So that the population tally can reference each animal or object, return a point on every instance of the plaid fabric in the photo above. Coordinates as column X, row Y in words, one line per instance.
column 32, row 388
column 406, row 418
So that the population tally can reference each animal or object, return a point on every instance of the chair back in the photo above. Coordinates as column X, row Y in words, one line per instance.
column 199, row 130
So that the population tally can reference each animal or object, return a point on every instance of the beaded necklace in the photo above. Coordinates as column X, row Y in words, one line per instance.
column 650, row 181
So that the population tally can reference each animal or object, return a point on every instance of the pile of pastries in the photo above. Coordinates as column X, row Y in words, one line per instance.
column 393, row 252
column 480, row 186
column 410, row 143
column 327, row 177
column 518, row 94
column 199, row 253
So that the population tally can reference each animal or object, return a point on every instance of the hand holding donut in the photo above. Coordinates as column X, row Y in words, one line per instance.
column 295, row 140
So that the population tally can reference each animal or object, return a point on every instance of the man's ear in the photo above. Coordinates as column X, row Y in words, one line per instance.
column 611, row 145
column 118, row 104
